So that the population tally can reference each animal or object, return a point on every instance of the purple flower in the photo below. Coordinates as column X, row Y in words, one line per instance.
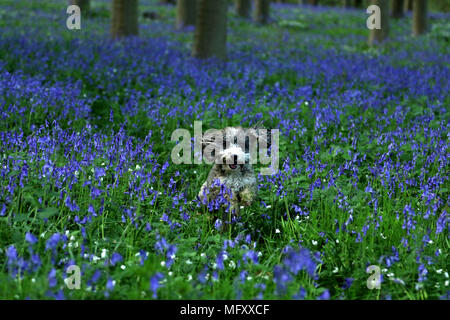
column 202, row 278
column 324, row 296
column 422, row 273
column 154, row 283
column 219, row 259
column 300, row 260
column 60, row 295
column 11, row 253
column 347, row 283
column 250, row 256
column 91, row 210
column 281, row 277
column 97, row 274
column 53, row 241
column 110, row 283
column 161, row 245
column 52, row 278
column 170, row 255
column 29, row 237
column 99, row 172
column 115, row 258
column 300, row 295
column 442, row 222
column 243, row 276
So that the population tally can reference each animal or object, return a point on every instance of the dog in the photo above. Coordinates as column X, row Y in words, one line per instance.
column 232, row 167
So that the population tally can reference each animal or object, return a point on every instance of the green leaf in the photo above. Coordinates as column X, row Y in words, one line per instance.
column 47, row 213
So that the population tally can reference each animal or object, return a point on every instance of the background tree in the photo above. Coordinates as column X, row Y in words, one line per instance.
column 379, row 35
column 419, row 17
column 313, row 2
column 408, row 5
column 347, row 3
column 84, row 5
column 397, row 9
column 186, row 13
column 124, row 18
column 243, row 7
column 210, row 37
column 261, row 11
column 359, row 3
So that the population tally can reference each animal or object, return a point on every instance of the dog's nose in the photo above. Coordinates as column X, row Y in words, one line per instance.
column 235, row 157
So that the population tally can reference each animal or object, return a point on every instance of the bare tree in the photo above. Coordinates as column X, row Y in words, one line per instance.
column 186, row 13
column 243, row 7
column 379, row 35
column 261, row 11
column 210, row 37
column 84, row 5
column 419, row 17
column 124, row 18
column 397, row 9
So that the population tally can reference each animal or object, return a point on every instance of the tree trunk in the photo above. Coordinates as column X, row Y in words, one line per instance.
column 379, row 35
column 124, row 18
column 186, row 13
column 408, row 5
column 358, row 3
column 397, row 9
column 84, row 5
column 243, row 7
column 210, row 37
column 419, row 17
column 347, row 3
column 167, row 1
column 313, row 2
column 261, row 11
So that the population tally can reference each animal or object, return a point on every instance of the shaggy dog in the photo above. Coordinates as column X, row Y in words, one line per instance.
column 232, row 167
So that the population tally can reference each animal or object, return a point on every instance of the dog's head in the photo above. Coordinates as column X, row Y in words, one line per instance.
column 232, row 148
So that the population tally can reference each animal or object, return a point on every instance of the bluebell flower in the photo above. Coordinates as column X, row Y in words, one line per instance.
column 243, row 276
column 300, row 260
column 154, row 283
column 110, row 283
column 347, row 283
column 281, row 277
column 422, row 273
column 220, row 259
column 52, row 278
column 324, row 296
column 250, row 255
column 300, row 295
column 115, row 258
